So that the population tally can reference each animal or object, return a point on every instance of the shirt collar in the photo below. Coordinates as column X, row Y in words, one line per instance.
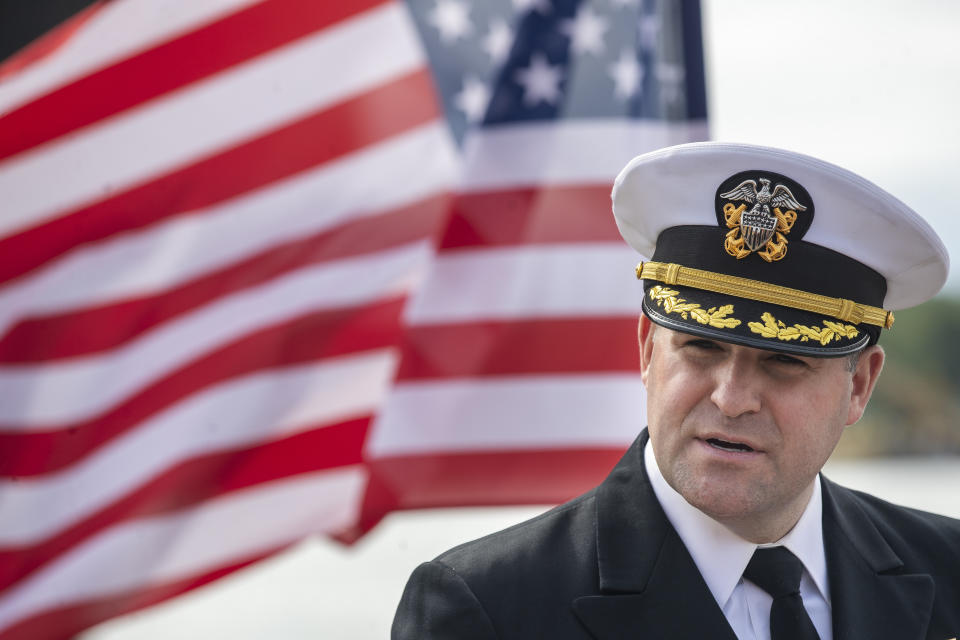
column 720, row 554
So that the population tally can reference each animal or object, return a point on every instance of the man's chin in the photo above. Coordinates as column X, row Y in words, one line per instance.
column 722, row 498
column 725, row 508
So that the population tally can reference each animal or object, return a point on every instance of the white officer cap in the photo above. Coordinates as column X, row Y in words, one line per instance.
column 772, row 249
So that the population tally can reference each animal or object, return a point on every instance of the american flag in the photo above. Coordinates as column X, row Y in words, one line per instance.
column 275, row 268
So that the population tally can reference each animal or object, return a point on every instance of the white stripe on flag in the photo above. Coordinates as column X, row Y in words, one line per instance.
column 37, row 397
column 117, row 31
column 509, row 413
column 255, row 408
column 565, row 151
column 410, row 166
column 529, row 281
column 220, row 532
column 192, row 123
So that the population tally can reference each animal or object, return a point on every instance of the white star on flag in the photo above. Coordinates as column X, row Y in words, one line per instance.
column 540, row 81
column 498, row 40
column 627, row 74
column 452, row 20
column 541, row 6
column 586, row 31
column 473, row 99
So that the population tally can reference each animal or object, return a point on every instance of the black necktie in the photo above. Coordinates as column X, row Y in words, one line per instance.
column 777, row 571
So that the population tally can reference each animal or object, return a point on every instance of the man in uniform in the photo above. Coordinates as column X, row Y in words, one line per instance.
column 772, row 275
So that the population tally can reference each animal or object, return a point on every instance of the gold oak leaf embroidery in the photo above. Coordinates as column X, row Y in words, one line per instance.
column 773, row 328
column 671, row 302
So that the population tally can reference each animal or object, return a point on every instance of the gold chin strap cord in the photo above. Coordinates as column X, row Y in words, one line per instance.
column 846, row 310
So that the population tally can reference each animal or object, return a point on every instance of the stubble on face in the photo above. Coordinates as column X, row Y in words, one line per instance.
column 742, row 433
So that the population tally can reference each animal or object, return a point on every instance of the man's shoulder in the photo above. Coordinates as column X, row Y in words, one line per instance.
column 512, row 550
column 518, row 582
column 912, row 533
column 899, row 516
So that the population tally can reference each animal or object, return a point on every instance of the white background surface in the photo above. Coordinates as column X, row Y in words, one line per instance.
column 871, row 86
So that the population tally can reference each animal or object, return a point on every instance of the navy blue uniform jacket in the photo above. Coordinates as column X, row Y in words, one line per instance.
column 609, row 565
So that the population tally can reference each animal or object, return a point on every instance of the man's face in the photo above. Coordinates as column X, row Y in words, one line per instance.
column 741, row 433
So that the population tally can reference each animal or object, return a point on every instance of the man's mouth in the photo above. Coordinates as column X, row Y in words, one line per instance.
column 724, row 445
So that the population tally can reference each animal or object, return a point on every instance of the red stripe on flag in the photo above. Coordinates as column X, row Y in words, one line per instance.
column 322, row 137
column 193, row 481
column 63, row 623
column 108, row 326
column 508, row 347
column 495, row 477
column 480, row 478
column 306, row 339
column 547, row 214
column 169, row 66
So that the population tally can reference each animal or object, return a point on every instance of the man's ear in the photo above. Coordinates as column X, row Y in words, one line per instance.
column 645, row 331
column 864, row 379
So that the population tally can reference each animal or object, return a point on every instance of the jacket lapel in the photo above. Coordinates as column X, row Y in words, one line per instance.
column 650, row 585
column 870, row 596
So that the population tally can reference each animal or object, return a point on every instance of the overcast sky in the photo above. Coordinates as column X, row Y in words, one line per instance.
column 872, row 86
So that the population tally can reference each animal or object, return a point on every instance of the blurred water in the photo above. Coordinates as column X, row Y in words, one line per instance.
column 322, row 590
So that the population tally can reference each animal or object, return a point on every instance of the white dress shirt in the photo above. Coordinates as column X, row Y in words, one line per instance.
column 721, row 556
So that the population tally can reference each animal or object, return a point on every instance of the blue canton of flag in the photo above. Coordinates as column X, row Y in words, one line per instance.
column 520, row 60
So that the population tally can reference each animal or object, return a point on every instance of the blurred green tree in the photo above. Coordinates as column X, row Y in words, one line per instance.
column 915, row 408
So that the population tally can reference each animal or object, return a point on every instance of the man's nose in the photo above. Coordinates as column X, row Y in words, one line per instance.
column 737, row 389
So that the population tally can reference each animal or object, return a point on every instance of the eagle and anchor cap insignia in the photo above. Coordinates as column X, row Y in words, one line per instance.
column 732, row 250
column 760, row 209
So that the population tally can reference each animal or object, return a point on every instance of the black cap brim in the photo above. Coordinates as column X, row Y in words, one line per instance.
column 753, row 324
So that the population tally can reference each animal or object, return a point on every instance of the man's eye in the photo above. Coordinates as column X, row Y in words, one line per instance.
column 790, row 360
column 705, row 345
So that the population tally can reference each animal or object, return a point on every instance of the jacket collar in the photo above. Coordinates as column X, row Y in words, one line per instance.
column 871, row 595
column 647, row 578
